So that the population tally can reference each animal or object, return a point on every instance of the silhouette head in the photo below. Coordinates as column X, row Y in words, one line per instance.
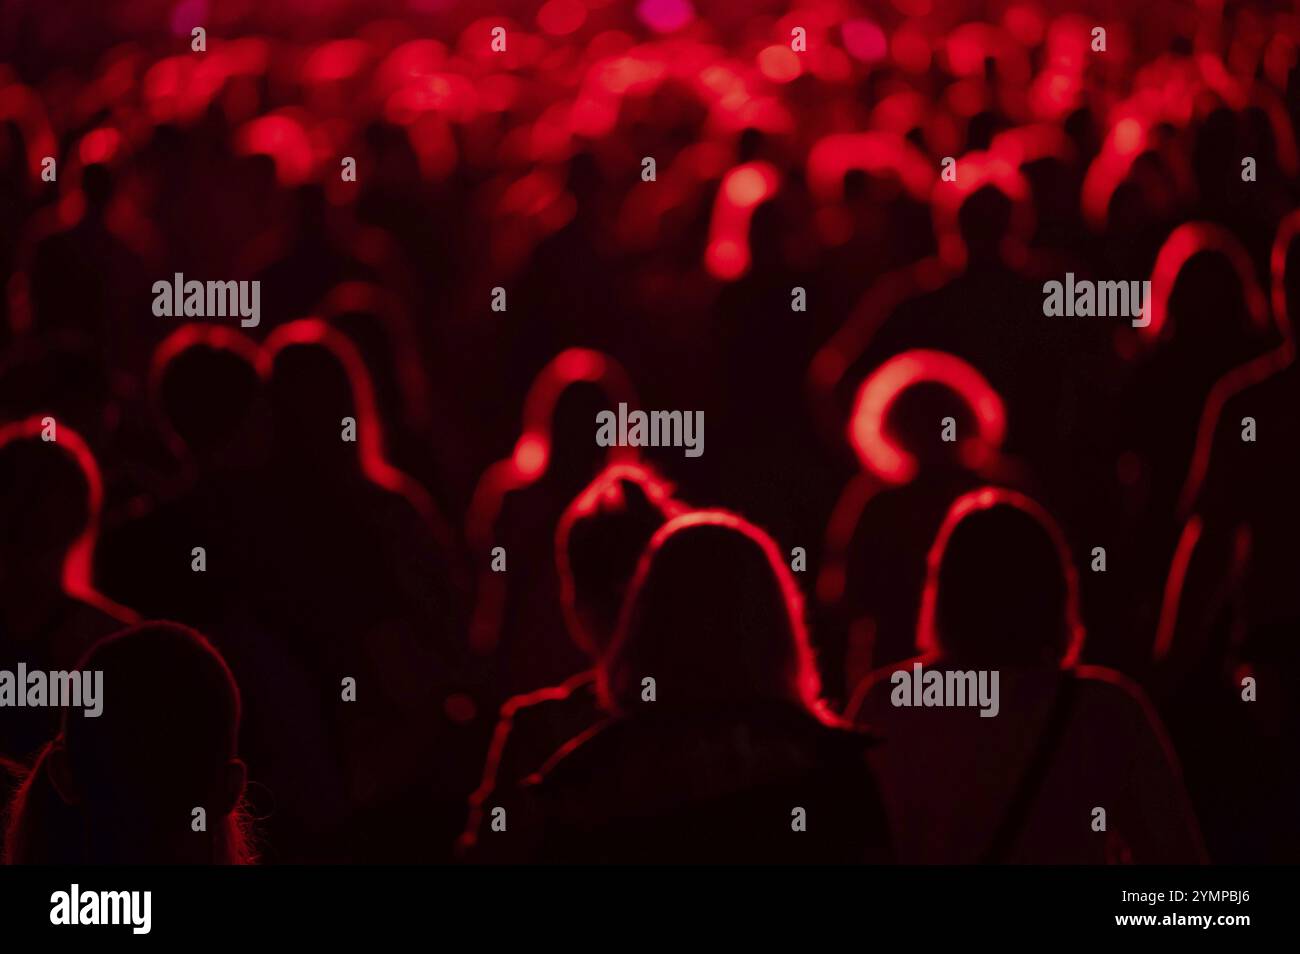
column 1205, row 296
column 309, row 398
column 316, row 378
column 97, row 184
column 987, row 215
column 49, row 503
column 1000, row 587
column 560, row 416
column 983, row 221
column 574, row 455
column 600, row 537
column 1208, row 304
column 584, row 179
column 205, row 385
column 768, row 233
column 898, row 422
column 123, row 786
column 714, row 616
column 913, row 422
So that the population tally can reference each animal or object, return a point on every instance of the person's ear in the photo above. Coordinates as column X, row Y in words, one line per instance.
column 233, row 785
column 59, row 769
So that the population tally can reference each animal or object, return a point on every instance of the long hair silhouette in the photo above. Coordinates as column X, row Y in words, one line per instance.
column 1000, row 584
column 714, row 616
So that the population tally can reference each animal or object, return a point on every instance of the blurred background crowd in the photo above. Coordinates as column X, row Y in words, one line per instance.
column 1137, row 539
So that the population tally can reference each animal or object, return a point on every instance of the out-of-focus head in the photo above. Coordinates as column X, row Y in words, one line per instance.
column 1001, row 588
column 97, row 184
column 986, row 215
column 925, row 411
column 49, row 501
column 206, row 387
column 574, row 455
column 768, row 234
column 560, row 417
column 315, row 379
column 598, row 543
column 915, row 422
column 1208, row 304
column 715, row 618
column 1206, row 299
column 983, row 221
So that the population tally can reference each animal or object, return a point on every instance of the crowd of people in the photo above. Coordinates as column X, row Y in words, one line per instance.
column 363, row 584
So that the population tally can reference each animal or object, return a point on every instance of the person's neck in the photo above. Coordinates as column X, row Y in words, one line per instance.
column 112, row 843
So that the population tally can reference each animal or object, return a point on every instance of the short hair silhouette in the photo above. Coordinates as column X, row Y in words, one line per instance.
column 715, row 617
column 122, row 787
column 1000, row 585
column 598, row 543
column 188, row 368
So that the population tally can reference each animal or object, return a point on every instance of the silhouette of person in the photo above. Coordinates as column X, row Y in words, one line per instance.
column 756, row 351
column 332, row 502
column 1226, row 638
column 989, row 314
column 719, row 748
column 352, row 576
column 1212, row 318
column 209, row 403
column 873, row 564
column 1065, row 741
column 518, row 618
column 50, row 612
column 126, row 787
column 598, row 542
